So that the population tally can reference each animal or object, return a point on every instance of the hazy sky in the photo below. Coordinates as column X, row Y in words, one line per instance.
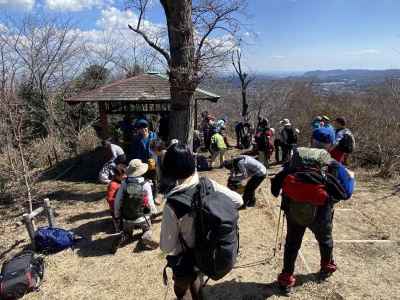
column 291, row 35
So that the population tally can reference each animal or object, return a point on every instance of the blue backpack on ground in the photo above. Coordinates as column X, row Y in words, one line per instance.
column 53, row 240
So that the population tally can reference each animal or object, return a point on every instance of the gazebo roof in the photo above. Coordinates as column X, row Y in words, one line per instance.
column 145, row 88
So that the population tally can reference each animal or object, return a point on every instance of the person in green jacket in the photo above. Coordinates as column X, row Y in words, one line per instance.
column 218, row 148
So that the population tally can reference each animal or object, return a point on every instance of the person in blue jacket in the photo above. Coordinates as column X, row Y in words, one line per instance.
column 339, row 185
column 140, row 146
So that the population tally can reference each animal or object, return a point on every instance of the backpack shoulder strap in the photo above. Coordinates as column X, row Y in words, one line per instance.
column 206, row 186
column 181, row 202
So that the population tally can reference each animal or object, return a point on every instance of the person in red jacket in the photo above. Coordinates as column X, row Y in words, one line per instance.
column 113, row 186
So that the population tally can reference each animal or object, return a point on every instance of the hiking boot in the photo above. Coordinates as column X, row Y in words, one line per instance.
column 286, row 283
column 327, row 269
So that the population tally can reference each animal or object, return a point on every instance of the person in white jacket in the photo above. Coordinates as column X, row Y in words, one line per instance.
column 180, row 165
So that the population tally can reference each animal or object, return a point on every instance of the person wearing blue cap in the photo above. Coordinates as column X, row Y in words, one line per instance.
column 312, row 182
column 140, row 146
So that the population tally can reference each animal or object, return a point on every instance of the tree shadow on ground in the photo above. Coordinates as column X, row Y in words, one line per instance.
column 88, row 216
column 83, row 168
column 65, row 195
column 90, row 247
column 251, row 290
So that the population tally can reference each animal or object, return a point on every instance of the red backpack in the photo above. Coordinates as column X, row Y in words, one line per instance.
column 306, row 192
column 299, row 190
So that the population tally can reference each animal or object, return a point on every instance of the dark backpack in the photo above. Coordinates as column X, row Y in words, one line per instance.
column 133, row 202
column 52, row 240
column 202, row 163
column 21, row 275
column 347, row 143
column 291, row 136
column 216, row 227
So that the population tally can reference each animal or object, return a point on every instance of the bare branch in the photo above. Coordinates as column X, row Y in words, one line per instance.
column 162, row 51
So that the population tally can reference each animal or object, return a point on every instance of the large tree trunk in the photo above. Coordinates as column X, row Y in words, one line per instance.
column 182, row 75
column 245, row 106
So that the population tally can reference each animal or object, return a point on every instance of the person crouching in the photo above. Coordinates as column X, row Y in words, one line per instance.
column 244, row 167
column 134, row 203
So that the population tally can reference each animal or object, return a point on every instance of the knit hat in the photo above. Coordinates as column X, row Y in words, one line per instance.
column 323, row 135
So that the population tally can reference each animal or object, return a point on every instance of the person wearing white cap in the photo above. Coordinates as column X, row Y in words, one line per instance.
column 288, row 139
column 134, row 203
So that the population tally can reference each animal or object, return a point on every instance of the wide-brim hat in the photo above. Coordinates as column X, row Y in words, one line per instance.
column 136, row 168
column 286, row 122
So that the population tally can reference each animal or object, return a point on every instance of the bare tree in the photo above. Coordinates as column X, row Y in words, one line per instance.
column 244, row 77
column 11, row 124
column 192, row 47
column 45, row 49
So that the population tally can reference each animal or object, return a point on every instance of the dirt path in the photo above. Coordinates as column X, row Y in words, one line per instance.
column 367, row 270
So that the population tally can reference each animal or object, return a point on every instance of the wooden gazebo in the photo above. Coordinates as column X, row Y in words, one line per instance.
column 146, row 94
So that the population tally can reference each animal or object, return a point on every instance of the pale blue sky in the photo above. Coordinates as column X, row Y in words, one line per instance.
column 292, row 35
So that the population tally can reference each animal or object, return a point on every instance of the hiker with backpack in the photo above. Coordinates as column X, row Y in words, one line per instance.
column 218, row 148
column 264, row 142
column 246, row 167
column 195, row 211
column 134, row 204
column 288, row 139
column 112, row 189
column 311, row 183
column 344, row 141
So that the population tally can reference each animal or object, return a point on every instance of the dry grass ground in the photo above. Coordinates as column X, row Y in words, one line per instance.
column 367, row 270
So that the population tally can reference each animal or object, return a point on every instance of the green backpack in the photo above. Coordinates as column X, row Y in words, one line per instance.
column 133, row 206
column 302, row 213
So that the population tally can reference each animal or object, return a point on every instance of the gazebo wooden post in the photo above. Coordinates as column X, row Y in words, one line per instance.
column 103, row 119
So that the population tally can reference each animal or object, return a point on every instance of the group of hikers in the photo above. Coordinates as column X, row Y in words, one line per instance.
column 199, row 229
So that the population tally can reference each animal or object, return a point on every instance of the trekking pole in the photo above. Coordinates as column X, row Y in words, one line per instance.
column 283, row 226
column 277, row 232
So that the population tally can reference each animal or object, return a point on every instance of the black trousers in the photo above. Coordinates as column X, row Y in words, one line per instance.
column 249, row 196
column 286, row 150
column 322, row 229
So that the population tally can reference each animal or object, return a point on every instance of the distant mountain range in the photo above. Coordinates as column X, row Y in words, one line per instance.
column 352, row 75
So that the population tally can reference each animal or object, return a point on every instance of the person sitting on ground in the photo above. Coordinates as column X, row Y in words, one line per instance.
column 106, row 173
column 311, row 183
column 217, row 148
column 244, row 167
column 288, row 139
column 134, row 203
column 178, row 229
column 113, row 151
column 112, row 189
column 140, row 147
column 344, row 141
